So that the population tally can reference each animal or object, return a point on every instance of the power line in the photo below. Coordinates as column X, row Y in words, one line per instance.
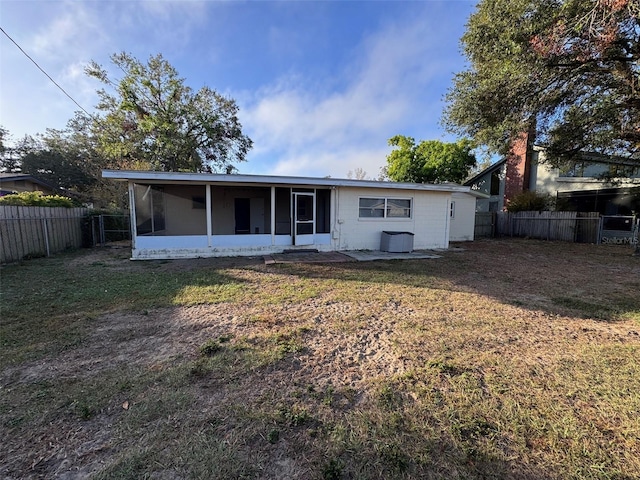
column 47, row 75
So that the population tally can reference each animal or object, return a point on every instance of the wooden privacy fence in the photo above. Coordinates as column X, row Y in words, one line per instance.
column 564, row 226
column 38, row 231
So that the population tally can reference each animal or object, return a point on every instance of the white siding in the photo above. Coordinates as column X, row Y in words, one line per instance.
column 429, row 220
column 463, row 221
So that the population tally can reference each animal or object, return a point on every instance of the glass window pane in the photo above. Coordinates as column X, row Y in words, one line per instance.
column 371, row 207
column 304, row 228
column 398, row 208
column 371, row 202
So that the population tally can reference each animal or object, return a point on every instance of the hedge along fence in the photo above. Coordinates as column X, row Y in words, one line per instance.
column 38, row 231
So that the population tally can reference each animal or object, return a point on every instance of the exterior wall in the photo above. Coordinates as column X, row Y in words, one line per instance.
column 429, row 220
column 548, row 180
column 223, row 212
column 482, row 184
column 463, row 216
column 181, row 218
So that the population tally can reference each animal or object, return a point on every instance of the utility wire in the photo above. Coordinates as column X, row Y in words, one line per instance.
column 47, row 75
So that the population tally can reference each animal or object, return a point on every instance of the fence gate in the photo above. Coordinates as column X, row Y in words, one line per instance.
column 110, row 228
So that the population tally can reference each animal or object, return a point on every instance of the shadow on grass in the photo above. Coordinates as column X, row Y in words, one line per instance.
column 588, row 281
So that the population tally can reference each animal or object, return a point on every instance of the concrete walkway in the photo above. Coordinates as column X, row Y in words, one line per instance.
column 350, row 256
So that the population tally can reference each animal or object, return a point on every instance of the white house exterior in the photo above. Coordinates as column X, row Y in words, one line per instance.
column 463, row 215
column 187, row 215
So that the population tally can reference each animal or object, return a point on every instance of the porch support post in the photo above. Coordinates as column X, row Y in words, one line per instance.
column 209, row 209
column 273, row 215
column 132, row 216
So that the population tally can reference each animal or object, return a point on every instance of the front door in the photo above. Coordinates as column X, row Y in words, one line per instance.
column 242, row 215
column 304, row 215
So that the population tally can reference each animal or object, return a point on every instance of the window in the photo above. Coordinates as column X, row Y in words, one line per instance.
column 385, row 208
column 452, row 210
column 494, row 189
column 372, row 207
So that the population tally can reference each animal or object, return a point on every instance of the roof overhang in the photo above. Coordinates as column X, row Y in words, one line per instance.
column 271, row 180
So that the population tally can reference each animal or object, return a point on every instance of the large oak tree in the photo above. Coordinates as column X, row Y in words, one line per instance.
column 566, row 68
column 152, row 120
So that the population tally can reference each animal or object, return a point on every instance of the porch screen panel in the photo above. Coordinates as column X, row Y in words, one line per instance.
column 283, row 211
column 323, row 211
column 150, row 209
column 185, row 209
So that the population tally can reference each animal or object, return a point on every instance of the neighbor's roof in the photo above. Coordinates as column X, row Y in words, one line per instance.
column 12, row 177
column 489, row 169
column 221, row 178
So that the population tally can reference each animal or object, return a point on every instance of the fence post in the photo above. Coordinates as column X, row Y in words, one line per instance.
column 45, row 232
column 600, row 222
column 103, row 239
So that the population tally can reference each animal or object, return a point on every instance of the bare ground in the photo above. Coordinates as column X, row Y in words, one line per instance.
column 345, row 345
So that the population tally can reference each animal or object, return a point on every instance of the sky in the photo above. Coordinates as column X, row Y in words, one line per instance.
column 321, row 86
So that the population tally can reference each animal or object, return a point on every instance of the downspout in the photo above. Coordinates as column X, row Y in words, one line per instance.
column 336, row 234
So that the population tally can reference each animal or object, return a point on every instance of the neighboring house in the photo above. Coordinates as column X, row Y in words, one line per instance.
column 595, row 183
column 183, row 215
column 490, row 182
column 22, row 182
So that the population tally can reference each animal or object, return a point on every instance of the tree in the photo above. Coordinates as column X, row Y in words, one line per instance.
column 152, row 120
column 566, row 68
column 9, row 155
column 68, row 159
column 430, row 161
column 58, row 164
column 358, row 174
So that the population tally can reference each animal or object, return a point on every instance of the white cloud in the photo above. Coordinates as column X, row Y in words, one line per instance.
column 309, row 131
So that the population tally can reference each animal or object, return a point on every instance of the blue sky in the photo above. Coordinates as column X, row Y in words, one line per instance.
column 321, row 86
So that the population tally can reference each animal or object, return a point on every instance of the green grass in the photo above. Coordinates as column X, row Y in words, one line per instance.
column 509, row 360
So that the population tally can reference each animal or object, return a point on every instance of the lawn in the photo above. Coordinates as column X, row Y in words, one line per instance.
column 506, row 359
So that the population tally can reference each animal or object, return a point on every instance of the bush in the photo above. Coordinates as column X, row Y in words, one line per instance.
column 530, row 202
column 36, row 199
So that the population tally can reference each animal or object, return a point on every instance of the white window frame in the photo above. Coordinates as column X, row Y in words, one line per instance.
column 385, row 210
column 452, row 209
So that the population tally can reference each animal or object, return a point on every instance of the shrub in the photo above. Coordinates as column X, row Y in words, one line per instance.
column 530, row 202
column 36, row 199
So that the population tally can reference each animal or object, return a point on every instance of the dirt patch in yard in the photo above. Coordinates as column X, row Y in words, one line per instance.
column 304, row 374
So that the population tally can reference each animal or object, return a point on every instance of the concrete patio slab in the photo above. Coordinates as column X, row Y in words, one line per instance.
column 370, row 255
column 345, row 256
column 307, row 257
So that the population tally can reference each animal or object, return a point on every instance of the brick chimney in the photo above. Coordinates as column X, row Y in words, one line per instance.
column 518, row 166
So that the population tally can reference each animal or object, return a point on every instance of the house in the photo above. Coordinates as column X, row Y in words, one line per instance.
column 184, row 215
column 594, row 183
column 22, row 182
